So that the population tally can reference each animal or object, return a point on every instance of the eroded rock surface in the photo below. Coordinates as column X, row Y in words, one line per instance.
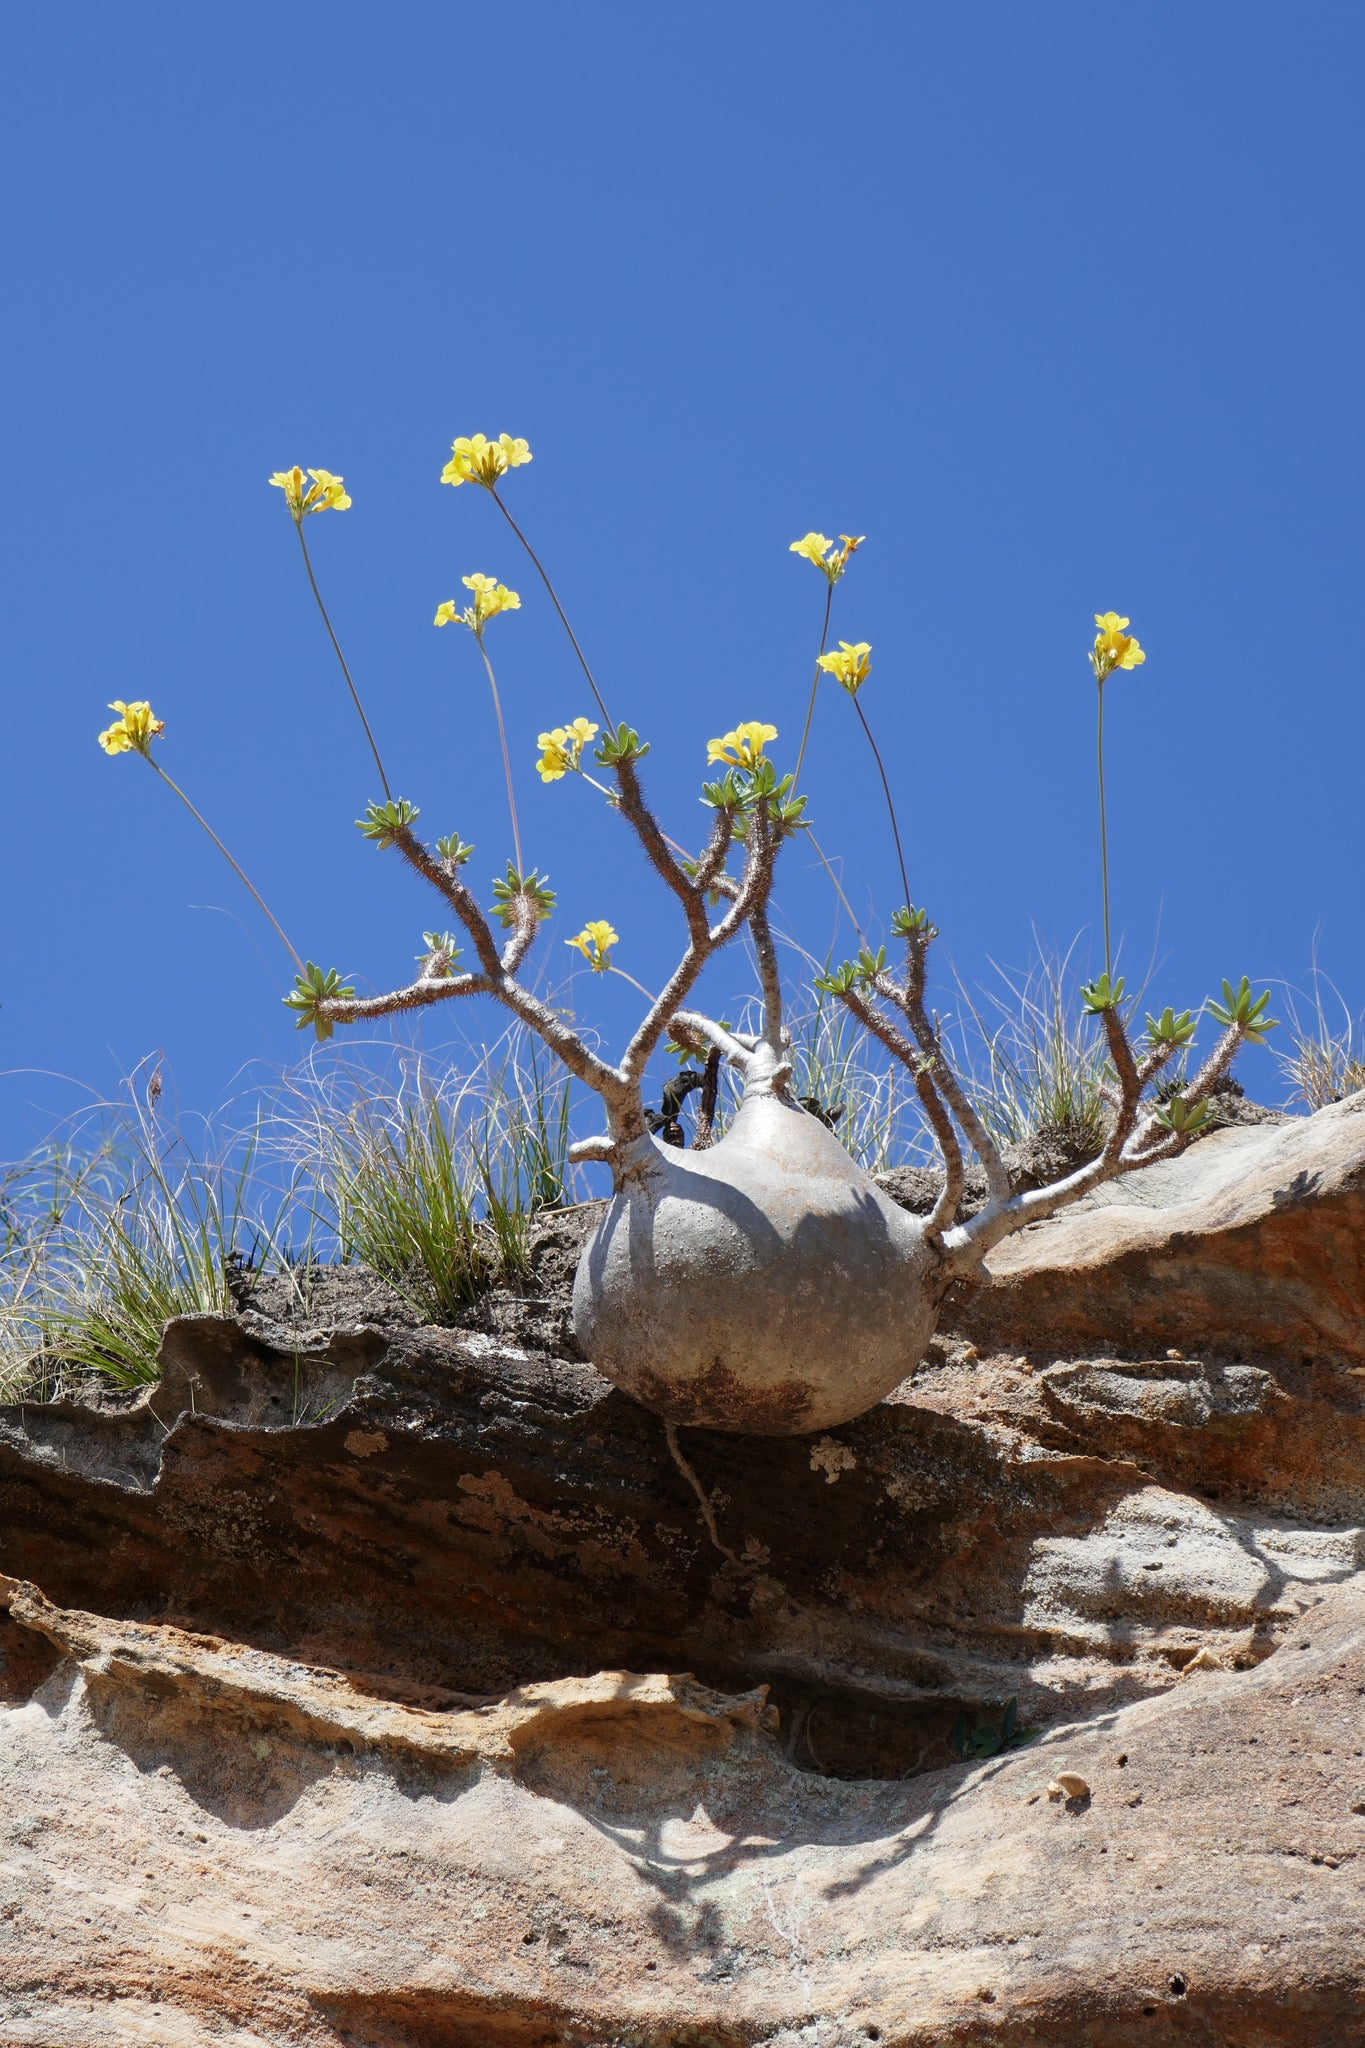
column 1252, row 1242
column 465, row 1515
column 205, row 1844
column 342, row 1693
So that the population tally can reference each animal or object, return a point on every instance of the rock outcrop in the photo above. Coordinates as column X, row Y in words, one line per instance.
column 398, row 1687
column 1252, row 1242
column 208, row 1844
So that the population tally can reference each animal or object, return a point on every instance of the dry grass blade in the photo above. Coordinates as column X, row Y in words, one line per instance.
column 1325, row 1059
column 430, row 1174
column 839, row 1075
column 107, row 1234
column 1038, row 1066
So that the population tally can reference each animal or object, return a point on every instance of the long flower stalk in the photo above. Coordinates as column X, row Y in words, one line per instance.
column 237, row 870
column 886, row 788
column 336, row 647
column 1104, row 833
column 540, row 570
column 1113, row 647
column 506, row 757
column 814, row 687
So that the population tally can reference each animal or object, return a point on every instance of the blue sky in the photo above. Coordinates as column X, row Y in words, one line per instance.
column 1060, row 306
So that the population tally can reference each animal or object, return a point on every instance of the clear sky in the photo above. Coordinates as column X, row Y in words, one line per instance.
column 1060, row 306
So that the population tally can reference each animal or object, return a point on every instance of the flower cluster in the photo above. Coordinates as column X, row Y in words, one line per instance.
column 818, row 548
column 474, row 459
column 595, row 942
column 850, row 665
column 490, row 598
column 743, row 747
column 1114, row 646
column 133, row 731
column 326, row 493
column 562, row 749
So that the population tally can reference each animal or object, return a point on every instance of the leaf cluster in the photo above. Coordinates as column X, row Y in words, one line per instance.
column 533, row 888
column 988, row 1740
column 909, row 923
column 739, row 792
column 1101, row 994
column 383, row 822
column 442, row 950
column 852, row 974
column 1239, row 1008
column 1170, row 1030
column 1181, row 1117
column 623, row 745
column 313, row 987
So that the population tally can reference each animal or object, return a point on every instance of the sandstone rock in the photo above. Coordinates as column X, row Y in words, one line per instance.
column 467, row 1516
column 206, row 1844
column 1252, row 1243
column 352, row 1708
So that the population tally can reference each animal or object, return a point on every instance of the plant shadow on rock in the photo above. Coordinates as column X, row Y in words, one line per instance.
column 472, row 1518
column 240, row 1769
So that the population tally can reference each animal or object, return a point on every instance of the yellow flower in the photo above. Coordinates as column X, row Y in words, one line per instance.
column 595, row 942
column 563, row 748
column 477, row 460
column 490, row 598
column 133, row 730
column 1114, row 646
column 555, row 759
column 816, row 547
column 326, row 493
column 851, row 665
column 742, row 748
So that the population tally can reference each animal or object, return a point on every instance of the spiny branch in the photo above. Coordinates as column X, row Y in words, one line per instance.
column 944, row 1211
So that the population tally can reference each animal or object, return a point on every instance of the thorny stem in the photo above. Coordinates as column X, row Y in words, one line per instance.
column 619, row 1086
column 911, row 1000
column 336, row 648
column 886, row 787
column 554, row 599
column 691, row 1024
column 769, row 975
column 1104, row 836
column 1130, row 1145
column 945, row 1209
column 242, row 877
column 506, row 758
column 754, row 889
column 814, row 687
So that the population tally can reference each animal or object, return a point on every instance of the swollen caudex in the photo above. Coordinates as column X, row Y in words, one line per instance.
column 762, row 1283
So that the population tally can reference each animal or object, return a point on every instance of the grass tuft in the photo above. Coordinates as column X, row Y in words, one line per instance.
column 107, row 1234
column 431, row 1178
column 1325, row 1058
column 1038, row 1066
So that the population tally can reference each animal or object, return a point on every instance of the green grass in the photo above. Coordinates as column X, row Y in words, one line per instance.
column 106, row 1234
column 1034, row 1064
column 431, row 1176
